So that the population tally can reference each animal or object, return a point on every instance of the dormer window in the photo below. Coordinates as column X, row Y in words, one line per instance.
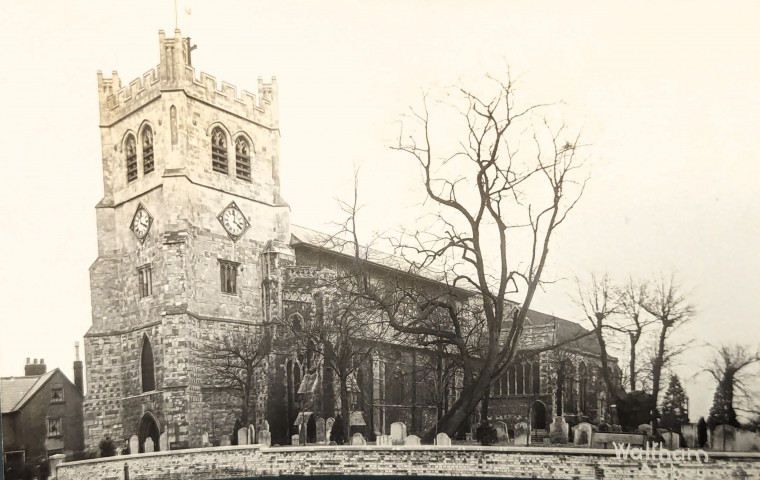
column 147, row 150
column 130, row 149
column 219, row 150
column 242, row 159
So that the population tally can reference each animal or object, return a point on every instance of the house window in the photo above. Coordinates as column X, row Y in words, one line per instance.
column 56, row 395
column 145, row 280
column 130, row 148
column 242, row 159
column 54, row 427
column 219, row 150
column 147, row 145
column 228, row 272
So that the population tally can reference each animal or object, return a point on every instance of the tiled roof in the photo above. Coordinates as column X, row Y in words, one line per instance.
column 15, row 391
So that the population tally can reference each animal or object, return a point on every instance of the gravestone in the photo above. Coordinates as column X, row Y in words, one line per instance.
column 134, row 444
column 295, row 439
column 670, row 440
column 521, row 433
column 328, row 427
column 163, row 442
column 502, row 433
column 251, row 435
column 645, row 428
column 265, row 425
column 225, row 441
column 321, row 439
column 690, row 435
column 412, row 440
column 242, row 436
column 358, row 439
column 582, row 434
column 148, row 445
column 265, row 438
column 398, row 433
column 384, row 440
column 204, row 440
column 442, row 439
column 558, row 430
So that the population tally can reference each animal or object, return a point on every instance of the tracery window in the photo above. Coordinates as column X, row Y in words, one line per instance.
column 242, row 159
column 219, row 150
column 130, row 149
column 147, row 150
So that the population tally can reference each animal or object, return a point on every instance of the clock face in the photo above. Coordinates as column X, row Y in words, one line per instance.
column 233, row 221
column 141, row 223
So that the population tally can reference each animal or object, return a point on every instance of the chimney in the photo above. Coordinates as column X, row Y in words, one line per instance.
column 78, row 378
column 34, row 368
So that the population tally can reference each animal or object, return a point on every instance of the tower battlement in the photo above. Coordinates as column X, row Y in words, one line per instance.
column 175, row 73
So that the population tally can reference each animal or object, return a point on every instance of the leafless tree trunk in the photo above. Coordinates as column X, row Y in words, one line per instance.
column 631, row 296
column 670, row 310
column 729, row 368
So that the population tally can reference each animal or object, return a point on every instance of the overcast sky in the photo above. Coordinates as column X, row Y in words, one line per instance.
column 666, row 95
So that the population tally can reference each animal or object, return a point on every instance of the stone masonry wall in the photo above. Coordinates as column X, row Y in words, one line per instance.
column 251, row 461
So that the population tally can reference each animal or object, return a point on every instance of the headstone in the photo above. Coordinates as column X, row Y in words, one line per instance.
column 670, row 440
column 134, row 444
column 242, row 436
column 398, row 433
column 295, row 439
column 690, row 435
column 412, row 440
column 163, row 442
column 442, row 439
column 251, row 435
column 582, row 434
column 148, row 445
column 558, row 430
column 265, row 438
column 521, row 433
column 502, row 433
column 328, row 427
column 225, row 442
column 265, row 425
column 321, row 438
column 645, row 428
column 204, row 440
column 385, row 440
column 358, row 439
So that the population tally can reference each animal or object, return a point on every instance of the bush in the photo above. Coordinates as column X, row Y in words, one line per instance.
column 486, row 434
column 107, row 447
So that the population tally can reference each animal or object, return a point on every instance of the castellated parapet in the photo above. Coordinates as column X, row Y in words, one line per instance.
column 175, row 73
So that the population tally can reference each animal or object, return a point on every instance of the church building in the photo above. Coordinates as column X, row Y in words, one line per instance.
column 195, row 245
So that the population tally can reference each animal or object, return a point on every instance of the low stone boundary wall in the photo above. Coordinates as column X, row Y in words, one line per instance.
column 520, row 462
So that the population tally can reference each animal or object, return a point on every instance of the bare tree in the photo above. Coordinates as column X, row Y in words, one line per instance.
column 729, row 367
column 632, row 324
column 599, row 301
column 234, row 361
column 670, row 309
column 499, row 201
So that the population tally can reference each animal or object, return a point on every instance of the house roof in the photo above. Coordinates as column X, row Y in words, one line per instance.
column 16, row 391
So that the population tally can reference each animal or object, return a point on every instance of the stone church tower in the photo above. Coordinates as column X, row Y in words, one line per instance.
column 190, row 229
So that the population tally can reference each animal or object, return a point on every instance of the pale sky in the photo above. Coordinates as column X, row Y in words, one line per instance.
column 665, row 93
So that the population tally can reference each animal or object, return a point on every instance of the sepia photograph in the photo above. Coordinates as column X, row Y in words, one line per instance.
column 336, row 238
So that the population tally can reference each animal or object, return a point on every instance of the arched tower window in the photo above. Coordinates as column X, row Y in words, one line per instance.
column 242, row 159
column 520, row 379
column 146, row 366
column 219, row 150
column 147, row 150
column 130, row 150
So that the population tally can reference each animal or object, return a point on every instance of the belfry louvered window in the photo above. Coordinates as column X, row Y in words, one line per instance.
column 147, row 150
column 219, row 150
column 228, row 273
column 242, row 159
column 130, row 149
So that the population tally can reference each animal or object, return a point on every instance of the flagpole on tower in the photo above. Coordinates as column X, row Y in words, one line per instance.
column 176, row 25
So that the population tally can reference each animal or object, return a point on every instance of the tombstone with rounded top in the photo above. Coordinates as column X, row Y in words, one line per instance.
column 265, row 425
column 163, row 442
column 148, row 445
column 582, row 434
column 295, row 439
column 251, row 435
column 321, row 438
column 558, row 430
column 358, row 439
column 645, row 428
column 242, row 436
column 134, row 444
column 521, row 433
column 412, row 440
column 502, row 433
column 398, row 433
column 442, row 439
column 264, row 438
column 204, row 440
